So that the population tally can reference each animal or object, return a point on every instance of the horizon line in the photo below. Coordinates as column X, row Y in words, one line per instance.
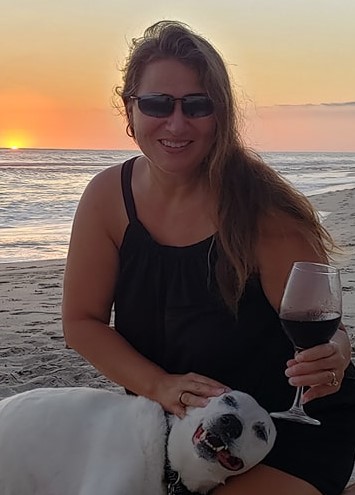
column 12, row 150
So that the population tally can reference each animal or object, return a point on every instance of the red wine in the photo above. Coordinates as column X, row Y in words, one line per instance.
column 307, row 330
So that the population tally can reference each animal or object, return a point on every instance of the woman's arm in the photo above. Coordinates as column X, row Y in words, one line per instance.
column 89, row 282
column 265, row 480
column 280, row 244
column 90, row 277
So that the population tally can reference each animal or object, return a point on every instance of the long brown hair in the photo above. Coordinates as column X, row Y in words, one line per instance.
column 245, row 187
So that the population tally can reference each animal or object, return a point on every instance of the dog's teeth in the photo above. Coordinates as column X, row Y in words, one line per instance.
column 208, row 444
column 203, row 436
column 215, row 449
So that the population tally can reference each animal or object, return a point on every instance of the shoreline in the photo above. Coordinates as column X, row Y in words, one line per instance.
column 319, row 199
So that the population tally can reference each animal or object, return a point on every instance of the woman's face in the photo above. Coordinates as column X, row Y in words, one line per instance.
column 177, row 143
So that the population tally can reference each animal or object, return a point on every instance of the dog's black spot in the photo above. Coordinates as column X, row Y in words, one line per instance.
column 230, row 401
column 260, row 431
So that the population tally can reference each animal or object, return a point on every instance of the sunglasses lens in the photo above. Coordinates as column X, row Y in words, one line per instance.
column 156, row 105
column 195, row 106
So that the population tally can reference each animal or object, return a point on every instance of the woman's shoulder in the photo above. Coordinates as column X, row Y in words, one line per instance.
column 108, row 178
column 277, row 223
column 282, row 236
column 102, row 202
column 108, row 182
column 282, row 240
column 104, row 191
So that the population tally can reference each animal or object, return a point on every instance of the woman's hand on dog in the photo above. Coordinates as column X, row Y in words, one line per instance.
column 175, row 392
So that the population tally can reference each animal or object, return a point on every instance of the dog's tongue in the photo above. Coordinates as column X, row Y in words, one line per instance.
column 229, row 462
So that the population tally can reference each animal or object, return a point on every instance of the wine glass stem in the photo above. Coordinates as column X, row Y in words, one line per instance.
column 297, row 402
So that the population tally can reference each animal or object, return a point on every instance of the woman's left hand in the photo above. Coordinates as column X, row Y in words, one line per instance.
column 321, row 368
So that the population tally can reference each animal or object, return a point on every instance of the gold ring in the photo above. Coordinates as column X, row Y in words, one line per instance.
column 334, row 382
column 180, row 398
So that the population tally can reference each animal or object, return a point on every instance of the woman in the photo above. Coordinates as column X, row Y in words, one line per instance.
column 193, row 241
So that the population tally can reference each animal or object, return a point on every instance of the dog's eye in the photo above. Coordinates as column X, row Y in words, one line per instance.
column 230, row 401
column 260, row 431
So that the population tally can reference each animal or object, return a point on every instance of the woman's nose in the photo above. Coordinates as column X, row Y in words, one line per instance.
column 177, row 121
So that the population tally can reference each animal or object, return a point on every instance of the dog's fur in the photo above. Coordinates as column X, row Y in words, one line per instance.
column 82, row 441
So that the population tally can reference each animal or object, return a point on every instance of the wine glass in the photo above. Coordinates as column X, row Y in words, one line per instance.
column 310, row 313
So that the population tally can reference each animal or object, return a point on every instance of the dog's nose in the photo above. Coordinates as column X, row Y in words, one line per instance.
column 230, row 425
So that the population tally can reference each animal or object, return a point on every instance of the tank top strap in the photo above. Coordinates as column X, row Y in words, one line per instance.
column 126, row 182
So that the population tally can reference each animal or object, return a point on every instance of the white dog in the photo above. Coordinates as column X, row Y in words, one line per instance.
column 83, row 441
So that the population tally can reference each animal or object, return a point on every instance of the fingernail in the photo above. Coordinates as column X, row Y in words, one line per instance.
column 204, row 402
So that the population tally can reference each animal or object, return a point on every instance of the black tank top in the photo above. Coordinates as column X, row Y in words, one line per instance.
column 168, row 306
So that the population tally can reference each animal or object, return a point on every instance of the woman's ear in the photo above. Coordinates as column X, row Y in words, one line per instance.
column 129, row 114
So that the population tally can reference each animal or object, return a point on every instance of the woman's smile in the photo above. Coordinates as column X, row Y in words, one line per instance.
column 174, row 145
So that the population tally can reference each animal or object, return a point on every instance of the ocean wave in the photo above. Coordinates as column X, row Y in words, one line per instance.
column 40, row 190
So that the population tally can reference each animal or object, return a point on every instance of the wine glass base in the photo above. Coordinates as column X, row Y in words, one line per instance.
column 296, row 415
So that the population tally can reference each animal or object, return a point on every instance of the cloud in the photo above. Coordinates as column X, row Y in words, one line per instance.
column 327, row 126
column 342, row 104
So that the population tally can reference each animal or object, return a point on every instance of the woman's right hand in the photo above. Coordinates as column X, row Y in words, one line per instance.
column 175, row 392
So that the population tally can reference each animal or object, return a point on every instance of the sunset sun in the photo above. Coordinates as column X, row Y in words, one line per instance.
column 15, row 143
column 16, row 140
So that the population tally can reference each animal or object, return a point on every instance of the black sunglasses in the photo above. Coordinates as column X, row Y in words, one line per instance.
column 161, row 105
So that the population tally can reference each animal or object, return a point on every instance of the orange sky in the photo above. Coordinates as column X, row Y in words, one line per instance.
column 291, row 62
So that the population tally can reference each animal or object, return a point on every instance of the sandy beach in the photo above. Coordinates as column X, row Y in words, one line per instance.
column 32, row 348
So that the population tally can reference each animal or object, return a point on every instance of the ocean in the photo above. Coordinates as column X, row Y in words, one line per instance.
column 40, row 190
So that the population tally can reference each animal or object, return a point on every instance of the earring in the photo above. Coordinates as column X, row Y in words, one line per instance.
column 130, row 130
